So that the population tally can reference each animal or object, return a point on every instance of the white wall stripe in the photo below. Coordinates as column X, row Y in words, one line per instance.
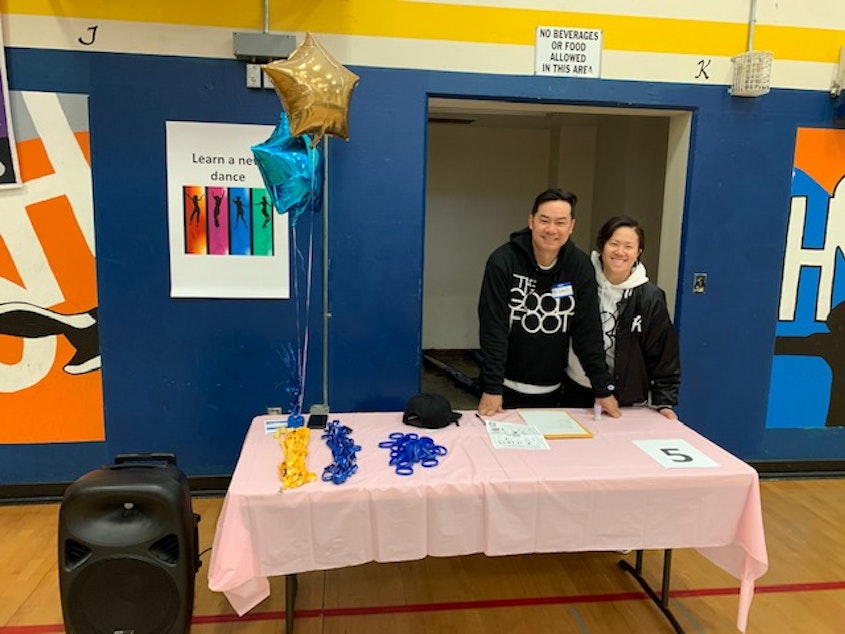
column 818, row 14
column 504, row 59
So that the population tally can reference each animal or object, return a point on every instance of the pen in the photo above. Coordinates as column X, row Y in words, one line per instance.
column 478, row 416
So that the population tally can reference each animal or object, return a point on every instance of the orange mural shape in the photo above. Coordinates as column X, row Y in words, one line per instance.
column 821, row 154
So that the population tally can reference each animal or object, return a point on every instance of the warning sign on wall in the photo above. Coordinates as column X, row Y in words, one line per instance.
column 568, row 52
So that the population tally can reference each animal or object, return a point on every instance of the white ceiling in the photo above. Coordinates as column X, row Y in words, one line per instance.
column 484, row 113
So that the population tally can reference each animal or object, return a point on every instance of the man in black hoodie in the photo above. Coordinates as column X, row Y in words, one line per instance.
column 538, row 294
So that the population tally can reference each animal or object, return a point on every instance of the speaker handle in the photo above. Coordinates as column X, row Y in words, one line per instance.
column 135, row 458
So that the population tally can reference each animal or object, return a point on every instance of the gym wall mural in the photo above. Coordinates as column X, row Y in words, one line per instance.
column 808, row 371
column 50, row 380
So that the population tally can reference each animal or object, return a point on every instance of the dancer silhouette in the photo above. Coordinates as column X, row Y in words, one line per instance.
column 195, row 199
column 264, row 212
column 218, row 198
column 240, row 205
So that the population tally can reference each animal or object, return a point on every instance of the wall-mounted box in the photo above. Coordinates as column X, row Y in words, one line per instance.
column 262, row 47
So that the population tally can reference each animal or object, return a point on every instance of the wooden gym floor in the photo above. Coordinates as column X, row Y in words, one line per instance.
column 803, row 592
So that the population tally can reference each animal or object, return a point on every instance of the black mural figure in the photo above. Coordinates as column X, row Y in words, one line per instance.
column 237, row 202
column 264, row 212
column 217, row 200
column 830, row 347
column 20, row 319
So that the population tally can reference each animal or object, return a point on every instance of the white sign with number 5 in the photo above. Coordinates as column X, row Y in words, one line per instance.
column 675, row 454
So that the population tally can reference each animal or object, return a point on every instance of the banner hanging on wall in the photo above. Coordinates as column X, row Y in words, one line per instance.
column 9, row 170
column 50, row 380
column 225, row 240
column 807, row 386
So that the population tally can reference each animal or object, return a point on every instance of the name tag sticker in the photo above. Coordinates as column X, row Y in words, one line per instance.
column 562, row 290
column 272, row 426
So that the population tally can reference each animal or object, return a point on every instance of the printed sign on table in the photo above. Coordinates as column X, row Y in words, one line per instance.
column 675, row 454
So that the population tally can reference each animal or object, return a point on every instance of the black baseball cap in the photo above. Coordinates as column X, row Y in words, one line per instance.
column 428, row 410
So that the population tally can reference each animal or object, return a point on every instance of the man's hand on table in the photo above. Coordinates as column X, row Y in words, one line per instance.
column 490, row 404
column 609, row 406
column 668, row 412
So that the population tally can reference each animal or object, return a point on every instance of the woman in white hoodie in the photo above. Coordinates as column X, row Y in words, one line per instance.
column 641, row 346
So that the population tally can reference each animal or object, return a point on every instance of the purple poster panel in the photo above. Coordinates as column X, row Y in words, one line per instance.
column 218, row 220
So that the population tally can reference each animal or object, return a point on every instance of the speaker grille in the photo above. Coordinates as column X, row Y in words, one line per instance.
column 123, row 595
column 166, row 549
column 75, row 554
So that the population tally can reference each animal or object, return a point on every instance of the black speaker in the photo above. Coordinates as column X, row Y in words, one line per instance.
column 128, row 552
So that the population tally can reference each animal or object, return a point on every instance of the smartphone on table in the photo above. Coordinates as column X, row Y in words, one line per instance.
column 318, row 421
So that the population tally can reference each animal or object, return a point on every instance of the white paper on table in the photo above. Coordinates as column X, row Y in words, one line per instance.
column 555, row 423
column 515, row 436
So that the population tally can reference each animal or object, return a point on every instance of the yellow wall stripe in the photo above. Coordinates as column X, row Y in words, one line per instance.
column 458, row 23
column 816, row 45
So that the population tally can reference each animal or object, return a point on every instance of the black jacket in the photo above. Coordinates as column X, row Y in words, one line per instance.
column 646, row 357
column 527, row 316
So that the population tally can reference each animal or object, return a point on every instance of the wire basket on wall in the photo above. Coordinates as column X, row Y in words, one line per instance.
column 752, row 72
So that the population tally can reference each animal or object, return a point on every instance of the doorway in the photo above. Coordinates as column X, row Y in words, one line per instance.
column 487, row 160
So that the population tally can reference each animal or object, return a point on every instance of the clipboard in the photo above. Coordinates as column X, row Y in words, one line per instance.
column 555, row 423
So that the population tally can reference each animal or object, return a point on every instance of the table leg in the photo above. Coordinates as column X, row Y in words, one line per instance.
column 661, row 601
column 290, row 601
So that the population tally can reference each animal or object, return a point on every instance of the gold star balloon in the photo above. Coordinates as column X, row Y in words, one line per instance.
column 315, row 91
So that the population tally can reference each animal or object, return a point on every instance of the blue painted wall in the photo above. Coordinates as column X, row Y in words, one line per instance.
column 188, row 375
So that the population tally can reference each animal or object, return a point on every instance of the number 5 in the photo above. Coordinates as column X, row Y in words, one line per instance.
column 676, row 455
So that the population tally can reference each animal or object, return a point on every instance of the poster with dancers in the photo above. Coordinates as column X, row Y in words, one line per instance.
column 225, row 238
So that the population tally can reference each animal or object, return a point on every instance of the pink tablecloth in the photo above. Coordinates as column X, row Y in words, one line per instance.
column 600, row 493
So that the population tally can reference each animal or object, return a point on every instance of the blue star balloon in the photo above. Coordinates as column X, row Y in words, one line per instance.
column 292, row 171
